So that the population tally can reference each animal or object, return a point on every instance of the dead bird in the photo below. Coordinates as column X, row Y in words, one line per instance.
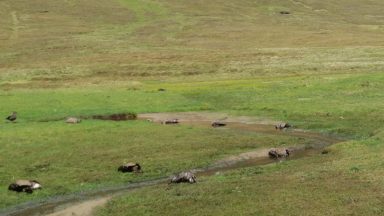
column 72, row 120
column 285, row 12
column 218, row 124
column 171, row 121
column 12, row 117
column 130, row 167
column 276, row 153
column 25, row 186
column 184, row 177
column 282, row 126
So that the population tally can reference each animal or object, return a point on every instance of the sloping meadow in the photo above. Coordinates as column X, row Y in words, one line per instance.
column 317, row 65
column 69, row 158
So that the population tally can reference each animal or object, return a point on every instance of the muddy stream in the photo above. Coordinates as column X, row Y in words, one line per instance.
column 84, row 203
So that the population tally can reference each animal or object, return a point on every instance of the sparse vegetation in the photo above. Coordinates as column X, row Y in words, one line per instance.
column 319, row 68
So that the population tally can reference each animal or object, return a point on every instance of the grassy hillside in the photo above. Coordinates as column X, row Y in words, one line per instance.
column 93, row 41
column 319, row 67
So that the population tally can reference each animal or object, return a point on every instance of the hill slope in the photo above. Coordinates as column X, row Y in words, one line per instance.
column 319, row 67
column 51, row 41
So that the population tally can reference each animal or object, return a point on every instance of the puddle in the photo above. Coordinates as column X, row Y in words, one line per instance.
column 110, row 117
column 114, row 117
column 84, row 204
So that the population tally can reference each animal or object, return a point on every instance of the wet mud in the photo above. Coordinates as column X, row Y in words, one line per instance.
column 115, row 117
column 107, row 117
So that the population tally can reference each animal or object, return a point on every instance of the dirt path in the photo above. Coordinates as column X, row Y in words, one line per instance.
column 85, row 207
column 201, row 117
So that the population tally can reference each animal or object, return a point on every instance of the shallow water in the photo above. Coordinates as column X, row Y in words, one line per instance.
column 83, row 204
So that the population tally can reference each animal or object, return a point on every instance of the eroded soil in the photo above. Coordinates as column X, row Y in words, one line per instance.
column 82, row 209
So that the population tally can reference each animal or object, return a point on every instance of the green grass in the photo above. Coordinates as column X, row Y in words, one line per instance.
column 143, row 8
column 69, row 158
column 145, row 40
column 319, row 68
column 345, row 181
column 348, row 105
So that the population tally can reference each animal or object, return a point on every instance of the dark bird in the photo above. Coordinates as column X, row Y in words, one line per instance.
column 171, row 121
column 130, row 167
column 219, row 122
column 285, row 12
column 12, row 117
column 24, row 186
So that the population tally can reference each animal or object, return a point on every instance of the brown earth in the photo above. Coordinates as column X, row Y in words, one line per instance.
column 82, row 209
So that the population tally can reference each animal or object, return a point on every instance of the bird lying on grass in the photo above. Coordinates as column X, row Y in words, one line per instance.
column 24, row 186
column 12, row 117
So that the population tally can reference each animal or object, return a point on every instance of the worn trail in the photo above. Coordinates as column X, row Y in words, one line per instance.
column 84, row 204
